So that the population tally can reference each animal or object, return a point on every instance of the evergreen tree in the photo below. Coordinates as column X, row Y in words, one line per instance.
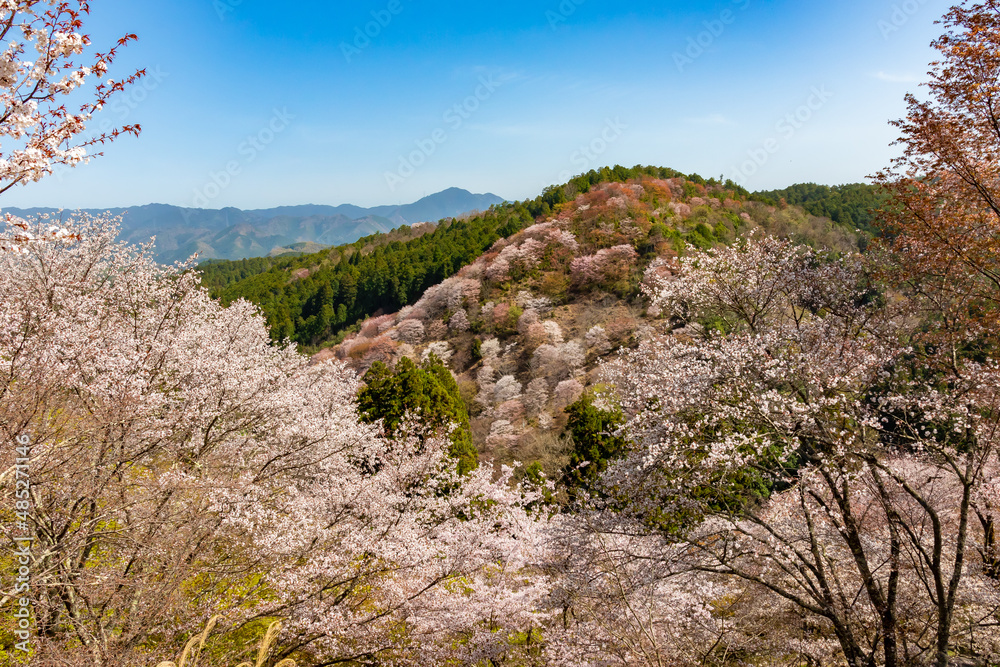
column 594, row 444
column 427, row 391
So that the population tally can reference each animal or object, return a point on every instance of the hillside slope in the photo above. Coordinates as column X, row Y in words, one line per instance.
column 524, row 326
column 851, row 205
column 313, row 299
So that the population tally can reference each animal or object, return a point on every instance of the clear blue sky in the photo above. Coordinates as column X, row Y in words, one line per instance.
column 377, row 123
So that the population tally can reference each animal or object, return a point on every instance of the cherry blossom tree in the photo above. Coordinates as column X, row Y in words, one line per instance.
column 436, row 330
column 535, row 335
column 573, row 354
column 528, row 319
column 553, row 332
column 486, row 378
column 565, row 238
column 496, row 616
column 502, row 434
column 545, row 361
column 512, row 411
column 567, row 391
column 41, row 47
column 620, row 597
column 459, row 322
column 183, row 467
column 557, row 362
column 411, row 331
column 490, row 349
column 597, row 340
column 515, row 259
column 608, row 264
column 536, row 396
column 817, row 449
column 451, row 294
column 21, row 234
column 498, row 271
column 749, row 284
column 440, row 349
column 507, row 388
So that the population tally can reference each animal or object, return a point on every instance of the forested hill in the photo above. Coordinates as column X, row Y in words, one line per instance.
column 849, row 205
column 313, row 299
column 526, row 326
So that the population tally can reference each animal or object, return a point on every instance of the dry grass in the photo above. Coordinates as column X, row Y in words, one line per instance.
column 192, row 651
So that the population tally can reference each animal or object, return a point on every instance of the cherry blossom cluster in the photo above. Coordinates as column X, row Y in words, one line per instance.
column 38, row 44
column 22, row 234
column 185, row 467
column 816, row 448
column 605, row 264
column 522, row 256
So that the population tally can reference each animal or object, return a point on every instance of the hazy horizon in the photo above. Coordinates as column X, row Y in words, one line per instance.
column 5, row 205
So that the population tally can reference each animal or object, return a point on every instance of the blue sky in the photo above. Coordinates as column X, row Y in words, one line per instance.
column 251, row 104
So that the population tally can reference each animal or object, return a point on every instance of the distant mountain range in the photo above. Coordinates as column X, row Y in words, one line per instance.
column 231, row 233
